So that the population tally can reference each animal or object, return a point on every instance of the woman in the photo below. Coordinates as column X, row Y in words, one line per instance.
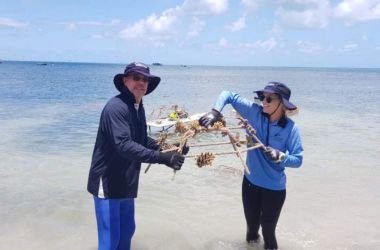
column 264, row 189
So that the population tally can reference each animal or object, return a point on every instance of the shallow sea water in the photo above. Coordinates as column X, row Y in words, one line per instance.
column 48, row 121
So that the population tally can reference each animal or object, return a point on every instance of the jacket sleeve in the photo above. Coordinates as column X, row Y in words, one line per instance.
column 152, row 144
column 240, row 104
column 294, row 154
column 118, row 131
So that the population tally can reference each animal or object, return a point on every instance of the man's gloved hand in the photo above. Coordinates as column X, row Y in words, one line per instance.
column 210, row 118
column 185, row 148
column 172, row 159
column 274, row 155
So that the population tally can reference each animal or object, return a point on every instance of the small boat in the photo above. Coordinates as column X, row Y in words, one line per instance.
column 164, row 124
column 157, row 64
column 41, row 64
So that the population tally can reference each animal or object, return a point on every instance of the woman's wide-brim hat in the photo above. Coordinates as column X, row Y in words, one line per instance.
column 139, row 68
column 282, row 90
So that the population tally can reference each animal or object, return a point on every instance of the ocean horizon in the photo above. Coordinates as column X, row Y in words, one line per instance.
column 190, row 65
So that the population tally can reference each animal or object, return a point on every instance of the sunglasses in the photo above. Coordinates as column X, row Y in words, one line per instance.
column 268, row 99
column 138, row 78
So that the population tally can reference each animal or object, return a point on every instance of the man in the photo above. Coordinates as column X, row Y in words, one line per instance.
column 121, row 146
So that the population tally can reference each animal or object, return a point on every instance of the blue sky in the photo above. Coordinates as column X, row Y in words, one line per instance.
column 309, row 33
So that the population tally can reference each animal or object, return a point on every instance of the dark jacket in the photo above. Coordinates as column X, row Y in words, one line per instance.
column 121, row 145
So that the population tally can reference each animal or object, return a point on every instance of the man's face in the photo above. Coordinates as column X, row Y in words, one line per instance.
column 137, row 84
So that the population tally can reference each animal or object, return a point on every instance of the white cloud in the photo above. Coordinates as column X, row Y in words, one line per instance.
column 357, row 10
column 276, row 29
column 115, row 22
column 10, row 23
column 308, row 47
column 97, row 36
column 215, row 6
column 71, row 26
column 316, row 14
column 134, row 31
column 162, row 23
column 238, row 24
column 309, row 14
column 349, row 46
column 154, row 27
column 223, row 42
column 163, row 27
column 205, row 7
column 257, row 46
column 75, row 25
column 196, row 27
column 90, row 23
column 267, row 45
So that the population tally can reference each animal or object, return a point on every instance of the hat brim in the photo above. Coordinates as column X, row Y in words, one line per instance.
column 288, row 105
column 153, row 81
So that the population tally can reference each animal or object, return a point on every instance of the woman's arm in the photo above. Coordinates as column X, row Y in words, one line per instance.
column 294, row 154
column 240, row 104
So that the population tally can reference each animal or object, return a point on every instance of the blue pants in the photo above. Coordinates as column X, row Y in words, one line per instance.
column 116, row 223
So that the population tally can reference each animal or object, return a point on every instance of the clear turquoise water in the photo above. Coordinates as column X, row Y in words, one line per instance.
column 48, row 122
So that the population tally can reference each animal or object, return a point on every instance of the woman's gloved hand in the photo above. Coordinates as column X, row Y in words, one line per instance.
column 185, row 148
column 210, row 118
column 172, row 159
column 274, row 155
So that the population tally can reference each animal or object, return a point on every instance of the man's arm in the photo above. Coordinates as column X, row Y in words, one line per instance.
column 152, row 144
column 118, row 131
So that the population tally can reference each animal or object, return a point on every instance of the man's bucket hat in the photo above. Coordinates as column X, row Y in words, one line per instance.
column 139, row 68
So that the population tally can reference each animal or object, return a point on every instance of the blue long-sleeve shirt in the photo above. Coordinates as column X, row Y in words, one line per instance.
column 284, row 137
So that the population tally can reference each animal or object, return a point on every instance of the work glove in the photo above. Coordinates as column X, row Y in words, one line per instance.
column 172, row 159
column 274, row 155
column 185, row 148
column 210, row 118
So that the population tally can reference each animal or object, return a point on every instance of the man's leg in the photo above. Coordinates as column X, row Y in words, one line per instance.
column 252, row 209
column 127, row 223
column 108, row 221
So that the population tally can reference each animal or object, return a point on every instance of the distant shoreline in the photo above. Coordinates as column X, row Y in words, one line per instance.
column 4, row 61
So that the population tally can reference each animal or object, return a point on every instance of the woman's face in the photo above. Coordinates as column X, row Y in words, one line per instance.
column 271, row 102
